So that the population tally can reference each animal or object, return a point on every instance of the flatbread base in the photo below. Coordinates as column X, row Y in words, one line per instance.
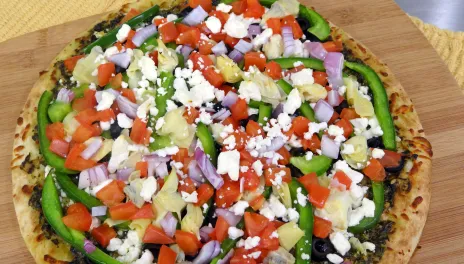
column 409, row 213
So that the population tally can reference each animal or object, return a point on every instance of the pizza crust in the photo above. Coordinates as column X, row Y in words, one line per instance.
column 409, row 213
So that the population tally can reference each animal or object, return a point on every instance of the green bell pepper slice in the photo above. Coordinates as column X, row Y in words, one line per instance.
column 167, row 85
column 264, row 114
column 57, row 111
column 51, row 158
column 318, row 164
column 319, row 26
column 207, row 141
column 288, row 63
column 110, row 37
column 367, row 223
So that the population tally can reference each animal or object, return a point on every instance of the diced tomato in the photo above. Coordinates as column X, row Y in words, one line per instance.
column 240, row 139
column 320, row 78
column 188, row 242
column 205, row 47
column 300, row 125
column 255, row 223
column 308, row 179
column 167, row 255
column 254, row 9
column 346, row 125
column 189, row 37
column 88, row 101
column 82, row 133
column 123, row 211
column 207, row 5
column 239, row 110
column 318, row 195
column 348, row 114
column 106, row 115
column 322, row 227
column 220, row 15
column 257, row 59
column 78, row 217
column 241, row 257
column 103, row 234
column 186, row 185
column 146, row 212
column 105, row 72
column 181, row 28
column 334, row 117
column 200, row 62
column 230, row 121
column 218, row 37
column 375, row 171
column 231, row 41
column 75, row 162
column 142, row 166
column 70, row 63
column 154, row 56
column 296, row 29
column 116, row 81
column 270, row 175
column 156, row 235
column 333, row 46
column 131, row 14
column 274, row 70
column 55, row 131
column 168, row 32
column 294, row 70
column 191, row 114
column 312, row 144
column 129, row 94
column 213, row 77
column 274, row 24
column 239, row 7
column 285, row 156
column 221, row 229
column 139, row 132
column 268, row 241
column 257, row 202
column 160, row 21
column 342, row 178
column 246, row 156
column 251, row 182
column 87, row 116
column 203, row 28
column 180, row 155
column 59, row 147
column 205, row 192
column 112, row 194
column 227, row 194
column 253, row 129
column 129, row 44
column 391, row 159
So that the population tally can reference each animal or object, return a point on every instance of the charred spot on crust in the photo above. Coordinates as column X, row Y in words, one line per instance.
column 50, row 259
column 27, row 189
column 36, row 195
column 20, row 121
column 418, row 200
column 27, row 165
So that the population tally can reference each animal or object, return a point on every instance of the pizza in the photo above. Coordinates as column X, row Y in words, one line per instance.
column 239, row 131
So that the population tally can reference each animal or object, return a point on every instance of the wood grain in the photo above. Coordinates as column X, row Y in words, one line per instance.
column 380, row 25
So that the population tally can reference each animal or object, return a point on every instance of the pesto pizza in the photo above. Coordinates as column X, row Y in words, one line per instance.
column 239, row 131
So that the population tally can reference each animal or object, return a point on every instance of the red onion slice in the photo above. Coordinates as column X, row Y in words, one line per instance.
column 230, row 99
column 92, row 148
column 289, row 42
column 154, row 161
column 185, row 50
column 278, row 110
column 219, row 49
column 89, row 247
column 333, row 64
column 229, row 216
column 162, row 170
column 195, row 17
column 195, row 173
column 123, row 174
column 329, row 148
column 333, row 97
column 323, row 111
column 127, row 107
column 169, row 223
column 226, row 259
column 208, row 169
column 221, row 115
column 84, row 179
column 122, row 59
column 243, row 46
column 99, row 210
column 236, row 56
column 65, row 95
column 204, row 233
column 144, row 33
column 253, row 31
column 208, row 252
column 316, row 50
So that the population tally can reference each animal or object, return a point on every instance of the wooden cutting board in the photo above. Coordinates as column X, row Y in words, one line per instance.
column 380, row 25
